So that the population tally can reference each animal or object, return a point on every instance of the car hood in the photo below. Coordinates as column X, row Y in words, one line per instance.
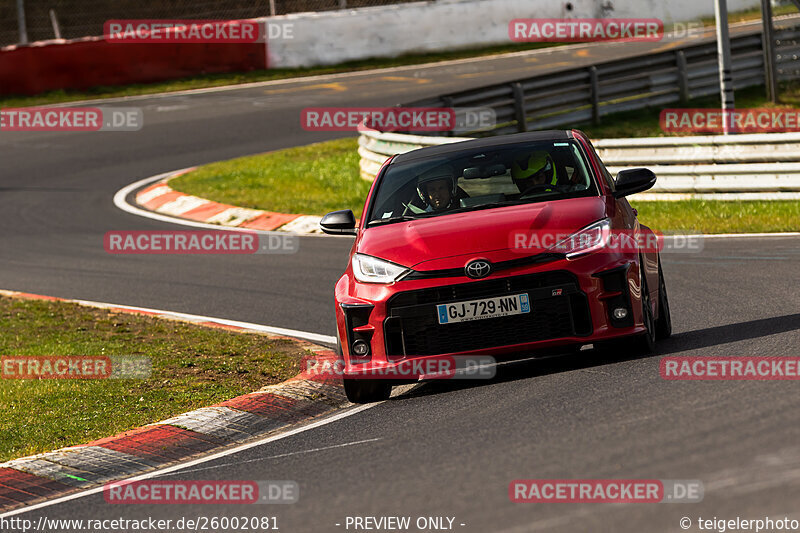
column 444, row 241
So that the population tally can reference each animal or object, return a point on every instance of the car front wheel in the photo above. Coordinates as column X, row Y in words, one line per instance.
column 366, row 390
column 646, row 342
column 363, row 390
column 664, row 321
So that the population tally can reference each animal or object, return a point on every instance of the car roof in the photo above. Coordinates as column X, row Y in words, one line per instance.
column 442, row 149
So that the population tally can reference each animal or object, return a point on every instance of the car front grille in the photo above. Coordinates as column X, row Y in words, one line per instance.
column 412, row 327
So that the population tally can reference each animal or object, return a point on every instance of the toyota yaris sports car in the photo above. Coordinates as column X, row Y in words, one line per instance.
column 495, row 247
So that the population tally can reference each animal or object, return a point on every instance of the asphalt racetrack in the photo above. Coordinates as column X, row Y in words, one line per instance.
column 441, row 449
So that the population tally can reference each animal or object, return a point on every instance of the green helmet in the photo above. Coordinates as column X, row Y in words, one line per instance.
column 538, row 163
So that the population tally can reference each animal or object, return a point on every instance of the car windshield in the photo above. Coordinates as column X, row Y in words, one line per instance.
column 481, row 178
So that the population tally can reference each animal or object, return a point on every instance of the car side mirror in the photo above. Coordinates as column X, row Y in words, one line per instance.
column 339, row 223
column 633, row 180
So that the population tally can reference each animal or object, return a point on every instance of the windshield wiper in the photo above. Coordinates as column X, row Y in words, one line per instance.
column 398, row 218
column 486, row 206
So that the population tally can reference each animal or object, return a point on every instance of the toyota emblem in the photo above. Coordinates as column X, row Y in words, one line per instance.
column 478, row 269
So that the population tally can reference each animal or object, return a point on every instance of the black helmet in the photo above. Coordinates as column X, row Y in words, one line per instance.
column 442, row 172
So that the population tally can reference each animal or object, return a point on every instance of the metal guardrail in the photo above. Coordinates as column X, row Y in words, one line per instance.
column 375, row 147
column 764, row 163
column 579, row 95
column 757, row 166
column 732, row 167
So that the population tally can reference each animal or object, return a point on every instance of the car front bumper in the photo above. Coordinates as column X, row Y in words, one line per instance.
column 572, row 303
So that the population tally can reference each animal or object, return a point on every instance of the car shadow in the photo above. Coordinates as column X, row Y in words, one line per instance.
column 555, row 362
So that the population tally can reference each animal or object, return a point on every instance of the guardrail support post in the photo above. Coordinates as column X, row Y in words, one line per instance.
column 725, row 66
column 768, row 40
column 683, row 75
column 595, row 95
column 519, row 107
column 21, row 25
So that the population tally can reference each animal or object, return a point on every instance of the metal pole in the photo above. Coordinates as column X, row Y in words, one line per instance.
column 724, row 55
column 272, row 10
column 683, row 75
column 519, row 107
column 768, row 39
column 594, row 84
column 23, row 31
column 54, row 22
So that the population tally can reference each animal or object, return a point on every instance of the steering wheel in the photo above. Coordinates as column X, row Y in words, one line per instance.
column 533, row 189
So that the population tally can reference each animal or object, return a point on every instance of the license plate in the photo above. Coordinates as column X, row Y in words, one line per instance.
column 516, row 304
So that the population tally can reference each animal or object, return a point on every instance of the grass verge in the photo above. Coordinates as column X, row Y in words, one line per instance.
column 710, row 217
column 193, row 366
column 313, row 179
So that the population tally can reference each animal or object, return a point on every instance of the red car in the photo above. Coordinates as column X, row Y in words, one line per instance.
column 495, row 246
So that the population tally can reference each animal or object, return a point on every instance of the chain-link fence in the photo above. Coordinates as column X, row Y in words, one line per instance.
column 81, row 18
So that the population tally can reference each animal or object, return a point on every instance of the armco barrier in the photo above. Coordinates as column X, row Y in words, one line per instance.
column 375, row 147
column 93, row 61
column 765, row 163
column 759, row 166
column 575, row 95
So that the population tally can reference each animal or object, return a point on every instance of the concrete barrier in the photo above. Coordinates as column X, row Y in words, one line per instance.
column 90, row 62
column 330, row 37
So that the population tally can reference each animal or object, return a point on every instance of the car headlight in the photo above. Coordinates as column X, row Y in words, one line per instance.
column 370, row 269
column 589, row 239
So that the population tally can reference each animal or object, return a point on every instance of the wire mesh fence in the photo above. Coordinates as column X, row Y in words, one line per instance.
column 81, row 18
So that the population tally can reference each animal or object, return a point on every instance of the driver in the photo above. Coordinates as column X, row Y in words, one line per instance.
column 437, row 188
column 536, row 169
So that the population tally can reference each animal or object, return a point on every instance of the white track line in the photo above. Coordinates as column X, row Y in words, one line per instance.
column 280, row 456
column 182, row 466
column 358, row 73
column 306, row 335
column 326, row 77
column 746, row 235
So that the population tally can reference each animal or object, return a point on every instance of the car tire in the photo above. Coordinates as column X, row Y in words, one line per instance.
column 664, row 320
column 366, row 390
column 363, row 390
column 646, row 342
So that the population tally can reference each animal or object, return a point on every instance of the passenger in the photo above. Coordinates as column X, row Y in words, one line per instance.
column 535, row 170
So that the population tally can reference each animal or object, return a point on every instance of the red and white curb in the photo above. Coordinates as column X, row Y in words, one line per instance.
column 45, row 476
column 161, row 198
